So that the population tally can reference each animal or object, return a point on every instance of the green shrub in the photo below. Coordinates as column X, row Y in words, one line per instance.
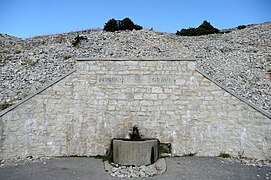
column 208, row 27
column 204, row 29
column 241, row 27
column 164, row 148
column 111, row 25
column 5, row 105
column 117, row 25
column 137, row 27
column 127, row 24
column 224, row 155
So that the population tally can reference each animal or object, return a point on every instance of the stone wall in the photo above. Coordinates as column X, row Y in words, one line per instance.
column 167, row 99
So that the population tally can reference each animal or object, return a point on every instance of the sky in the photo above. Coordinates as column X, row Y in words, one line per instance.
column 28, row 18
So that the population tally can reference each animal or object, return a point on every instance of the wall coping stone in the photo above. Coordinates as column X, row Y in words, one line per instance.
column 266, row 113
column 136, row 59
column 35, row 93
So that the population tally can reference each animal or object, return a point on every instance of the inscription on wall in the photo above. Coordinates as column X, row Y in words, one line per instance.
column 136, row 79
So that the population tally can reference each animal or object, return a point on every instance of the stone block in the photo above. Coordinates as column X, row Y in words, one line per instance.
column 209, row 98
column 180, row 82
column 168, row 90
column 118, row 96
column 151, row 63
column 111, row 108
column 134, row 108
column 157, row 90
column 170, row 113
column 138, row 96
column 150, row 96
column 82, row 67
column 162, row 96
column 191, row 66
column 94, row 68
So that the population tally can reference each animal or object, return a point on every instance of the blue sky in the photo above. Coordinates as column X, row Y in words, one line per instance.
column 27, row 18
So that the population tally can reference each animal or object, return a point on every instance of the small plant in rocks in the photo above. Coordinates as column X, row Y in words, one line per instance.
column 5, row 105
column 190, row 154
column 241, row 27
column 67, row 56
column 224, row 155
column 164, row 149
column 103, row 158
column 77, row 40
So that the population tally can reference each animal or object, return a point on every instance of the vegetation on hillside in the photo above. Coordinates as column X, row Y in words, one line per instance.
column 120, row 25
column 204, row 29
column 241, row 27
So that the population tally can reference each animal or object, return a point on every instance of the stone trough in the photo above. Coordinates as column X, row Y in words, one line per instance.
column 135, row 150
column 138, row 153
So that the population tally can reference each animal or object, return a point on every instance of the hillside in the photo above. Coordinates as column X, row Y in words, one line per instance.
column 239, row 60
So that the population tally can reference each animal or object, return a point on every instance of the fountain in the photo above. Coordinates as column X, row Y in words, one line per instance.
column 136, row 150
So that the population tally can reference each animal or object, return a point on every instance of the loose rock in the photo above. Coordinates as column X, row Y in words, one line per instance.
column 135, row 171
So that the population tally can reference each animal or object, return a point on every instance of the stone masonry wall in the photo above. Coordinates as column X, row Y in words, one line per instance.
column 101, row 100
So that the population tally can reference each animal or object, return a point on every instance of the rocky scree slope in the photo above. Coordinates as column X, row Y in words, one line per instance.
column 239, row 60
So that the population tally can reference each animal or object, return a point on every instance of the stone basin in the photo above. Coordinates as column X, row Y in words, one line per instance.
column 138, row 153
